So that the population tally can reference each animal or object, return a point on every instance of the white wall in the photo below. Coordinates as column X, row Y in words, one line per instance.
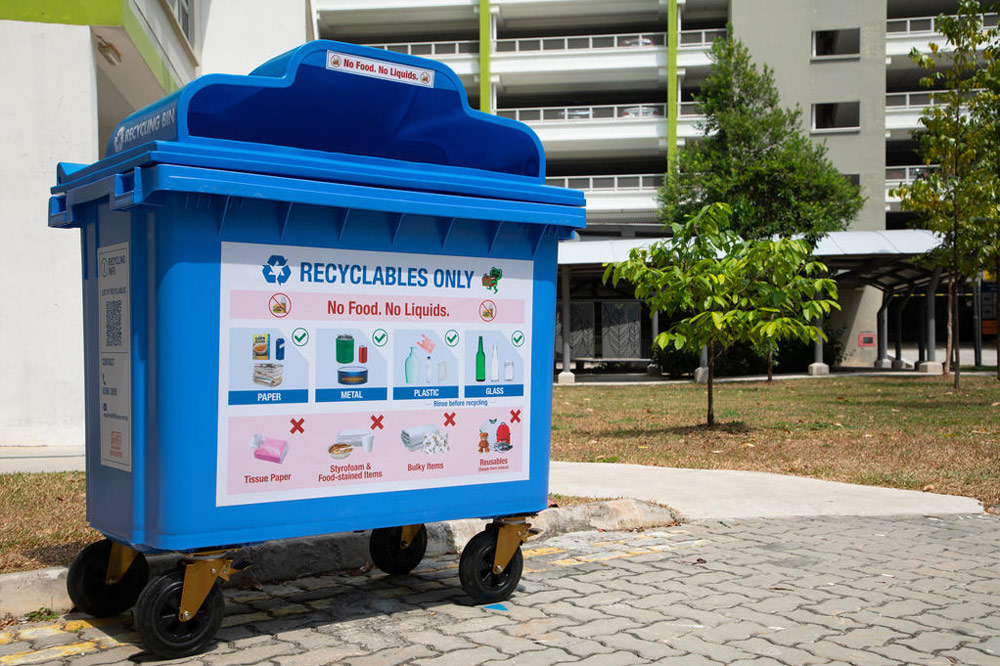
column 48, row 113
column 241, row 34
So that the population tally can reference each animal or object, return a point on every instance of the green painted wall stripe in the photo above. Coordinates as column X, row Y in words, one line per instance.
column 485, row 49
column 70, row 12
column 148, row 51
column 672, row 85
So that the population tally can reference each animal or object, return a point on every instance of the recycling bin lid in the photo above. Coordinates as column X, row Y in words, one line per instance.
column 332, row 111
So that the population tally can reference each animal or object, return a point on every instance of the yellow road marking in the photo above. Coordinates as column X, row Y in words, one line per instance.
column 49, row 654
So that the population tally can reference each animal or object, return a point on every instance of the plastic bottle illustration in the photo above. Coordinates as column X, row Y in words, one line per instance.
column 494, row 366
column 411, row 367
column 480, row 362
column 428, row 371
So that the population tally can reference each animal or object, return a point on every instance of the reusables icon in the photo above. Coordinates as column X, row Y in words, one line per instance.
column 276, row 269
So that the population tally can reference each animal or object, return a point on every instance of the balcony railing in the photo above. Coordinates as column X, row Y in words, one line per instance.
column 699, row 38
column 688, row 109
column 901, row 175
column 926, row 24
column 433, row 49
column 546, row 114
column 581, row 42
column 624, row 183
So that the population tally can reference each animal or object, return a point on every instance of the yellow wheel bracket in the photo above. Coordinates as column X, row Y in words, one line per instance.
column 409, row 533
column 199, row 577
column 119, row 562
column 511, row 533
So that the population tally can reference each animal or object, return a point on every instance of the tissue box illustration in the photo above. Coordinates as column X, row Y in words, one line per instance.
column 269, row 449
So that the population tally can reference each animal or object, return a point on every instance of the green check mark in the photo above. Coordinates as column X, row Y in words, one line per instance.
column 517, row 338
column 300, row 337
column 451, row 338
column 380, row 337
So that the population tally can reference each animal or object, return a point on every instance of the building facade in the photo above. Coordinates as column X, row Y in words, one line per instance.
column 609, row 86
column 74, row 70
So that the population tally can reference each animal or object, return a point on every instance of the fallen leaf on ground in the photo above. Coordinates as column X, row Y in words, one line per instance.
column 929, row 488
column 748, row 445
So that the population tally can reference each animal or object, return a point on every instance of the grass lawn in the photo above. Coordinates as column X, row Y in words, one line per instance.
column 906, row 432
column 903, row 432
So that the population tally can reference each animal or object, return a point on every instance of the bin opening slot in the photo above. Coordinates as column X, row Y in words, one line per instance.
column 340, row 112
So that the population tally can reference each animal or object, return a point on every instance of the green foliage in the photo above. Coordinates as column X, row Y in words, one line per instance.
column 949, row 197
column 755, row 157
column 721, row 289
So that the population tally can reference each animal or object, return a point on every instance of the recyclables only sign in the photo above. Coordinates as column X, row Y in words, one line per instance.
column 380, row 69
column 346, row 372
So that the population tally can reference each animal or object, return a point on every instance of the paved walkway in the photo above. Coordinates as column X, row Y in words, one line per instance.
column 709, row 494
column 903, row 590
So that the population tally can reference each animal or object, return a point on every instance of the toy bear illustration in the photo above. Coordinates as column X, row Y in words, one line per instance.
column 484, row 443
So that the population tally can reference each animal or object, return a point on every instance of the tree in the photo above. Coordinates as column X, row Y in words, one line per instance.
column 754, row 156
column 724, row 289
column 949, row 197
column 986, row 114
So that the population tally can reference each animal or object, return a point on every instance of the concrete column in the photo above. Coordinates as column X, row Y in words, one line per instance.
column 566, row 376
column 930, row 366
column 882, row 326
column 701, row 372
column 977, row 319
column 898, row 363
column 653, row 369
column 818, row 368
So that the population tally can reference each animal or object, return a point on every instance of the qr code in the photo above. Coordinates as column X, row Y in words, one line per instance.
column 113, row 323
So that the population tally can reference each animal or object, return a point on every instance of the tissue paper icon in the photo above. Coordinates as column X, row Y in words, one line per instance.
column 269, row 449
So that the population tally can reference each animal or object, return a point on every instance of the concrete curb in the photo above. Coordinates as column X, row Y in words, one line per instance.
column 26, row 591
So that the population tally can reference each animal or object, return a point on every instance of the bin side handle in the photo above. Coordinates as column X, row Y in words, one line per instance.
column 126, row 189
column 59, row 216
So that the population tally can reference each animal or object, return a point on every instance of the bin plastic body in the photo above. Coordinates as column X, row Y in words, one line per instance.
column 345, row 205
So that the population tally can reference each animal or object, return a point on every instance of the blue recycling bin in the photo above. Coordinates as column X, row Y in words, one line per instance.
column 317, row 298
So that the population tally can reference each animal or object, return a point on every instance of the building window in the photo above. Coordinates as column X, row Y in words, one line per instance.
column 837, row 43
column 183, row 11
column 852, row 178
column 836, row 117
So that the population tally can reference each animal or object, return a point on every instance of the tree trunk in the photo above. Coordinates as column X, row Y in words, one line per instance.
column 711, row 376
column 996, row 296
column 770, row 364
column 950, row 328
column 956, row 343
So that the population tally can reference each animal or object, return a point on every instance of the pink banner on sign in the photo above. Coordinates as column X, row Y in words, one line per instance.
column 348, row 452
column 301, row 306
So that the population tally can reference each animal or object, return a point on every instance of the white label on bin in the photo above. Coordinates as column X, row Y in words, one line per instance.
column 114, row 373
column 344, row 372
column 380, row 69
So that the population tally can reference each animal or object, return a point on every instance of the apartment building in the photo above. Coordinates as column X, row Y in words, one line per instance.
column 609, row 86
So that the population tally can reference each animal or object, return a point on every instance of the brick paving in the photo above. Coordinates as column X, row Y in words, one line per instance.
column 913, row 590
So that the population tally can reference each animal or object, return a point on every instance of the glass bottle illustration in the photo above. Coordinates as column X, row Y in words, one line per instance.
column 494, row 366
column 411, row 367
column 480, row 362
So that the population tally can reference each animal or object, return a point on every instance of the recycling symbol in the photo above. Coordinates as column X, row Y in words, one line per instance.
column 276, row 269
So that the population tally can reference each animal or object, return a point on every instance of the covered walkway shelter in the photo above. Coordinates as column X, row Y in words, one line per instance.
column 606, row 325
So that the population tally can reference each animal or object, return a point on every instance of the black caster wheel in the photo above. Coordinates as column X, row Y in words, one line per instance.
column 157, row 623
column 389, row 556
column 475, row 570
column 87, row 584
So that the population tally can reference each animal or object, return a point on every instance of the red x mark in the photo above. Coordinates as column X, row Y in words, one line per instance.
column 377, row 422
column 297, row 426
column 449, row 419
column 515, row 416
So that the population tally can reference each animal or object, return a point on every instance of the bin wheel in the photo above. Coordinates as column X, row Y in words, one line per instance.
column 157, row 623
column 475, row 570
column 86, row 582
column 389, row 556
